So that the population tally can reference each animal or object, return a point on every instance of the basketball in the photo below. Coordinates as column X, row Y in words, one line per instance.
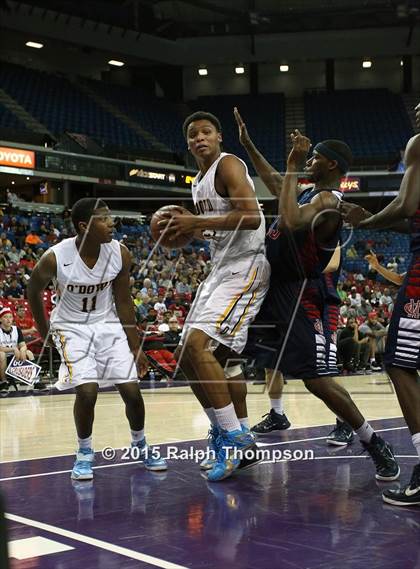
column 163, row 239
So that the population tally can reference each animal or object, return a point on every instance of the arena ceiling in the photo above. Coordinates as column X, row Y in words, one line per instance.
column 194, row 18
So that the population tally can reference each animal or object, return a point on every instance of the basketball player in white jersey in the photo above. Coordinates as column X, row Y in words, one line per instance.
column 229, row 299
column 93, row 325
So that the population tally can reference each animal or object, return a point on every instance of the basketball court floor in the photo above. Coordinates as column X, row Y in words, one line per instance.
column 307, row 506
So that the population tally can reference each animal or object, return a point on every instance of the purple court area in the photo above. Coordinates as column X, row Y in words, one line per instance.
column 321, row 513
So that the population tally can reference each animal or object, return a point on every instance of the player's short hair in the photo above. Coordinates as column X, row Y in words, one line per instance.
column 84, row 209
column 201, row 116
column 336, row 150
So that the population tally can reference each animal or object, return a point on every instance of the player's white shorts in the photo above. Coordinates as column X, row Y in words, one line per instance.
column 93, row 353
column 228, row 301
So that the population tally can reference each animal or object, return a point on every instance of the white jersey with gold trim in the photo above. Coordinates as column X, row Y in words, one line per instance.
column 225, row 246
column 85, row 295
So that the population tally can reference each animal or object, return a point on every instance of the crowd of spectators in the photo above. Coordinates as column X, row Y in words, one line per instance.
column 163, row 285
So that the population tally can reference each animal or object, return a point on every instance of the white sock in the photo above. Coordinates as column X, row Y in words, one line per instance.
column 416, row 442
column 137, row 436
column 365, row 432
column 226, row 418
column 244, row 422
column 277, row 405
column 211, row 415
column 85, row 443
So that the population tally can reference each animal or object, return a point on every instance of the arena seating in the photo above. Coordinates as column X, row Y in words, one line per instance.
column 61, row 106
column 373, row 122
column 161, row 118
column 9, row 120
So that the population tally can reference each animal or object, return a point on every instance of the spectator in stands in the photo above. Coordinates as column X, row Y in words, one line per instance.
column 351, row 253
column 386, row 300
column 367, row 293
column 51, row 238
column 68, row 229
column 169, row 298
column 5, row 243
column 364, row 309
column 12, row 344
column 43, row 231
column 165, row 281
column 355, row 297
column 376, row 332
column 347, row 310
column 178, row 310
column 352, row 351
column 142, row 309
column 341, row 293
column 138, row 299
column 55, row 230
column 182, row 286
column 173, row 335
column 160, row 305
column 33, row 239
column 392, row 265
column 25, row 322
column 14, row 255
column 15, row 290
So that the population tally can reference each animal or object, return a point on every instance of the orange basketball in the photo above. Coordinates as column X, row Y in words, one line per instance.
column 178, row 243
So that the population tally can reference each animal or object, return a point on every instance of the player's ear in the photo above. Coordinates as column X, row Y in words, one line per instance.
column 219, row 137
column 333, row 164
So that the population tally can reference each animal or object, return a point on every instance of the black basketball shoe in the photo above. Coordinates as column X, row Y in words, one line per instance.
column 407, row 496
column 383, row 456
column 273, row 422
column 342, row 435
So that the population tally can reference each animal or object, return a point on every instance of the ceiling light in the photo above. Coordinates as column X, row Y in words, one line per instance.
column 366, row 64
column 402, row 63
column 34, row 44
column 27, row 177
column 116, row 62
column 284, row 68
column 239, row 70
column 13, row 182
column 203, row 71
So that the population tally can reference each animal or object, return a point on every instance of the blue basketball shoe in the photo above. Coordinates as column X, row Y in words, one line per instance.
column 232, row 448
column 150, row 456
column 82, row 469
column 212, row 448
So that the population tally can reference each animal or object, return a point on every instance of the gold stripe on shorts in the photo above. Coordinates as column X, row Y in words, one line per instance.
column 223, row 317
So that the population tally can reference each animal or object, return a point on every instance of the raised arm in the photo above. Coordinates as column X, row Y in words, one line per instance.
column 263, row 168
column 125, row 310
column 386, row 273
column 44, row 271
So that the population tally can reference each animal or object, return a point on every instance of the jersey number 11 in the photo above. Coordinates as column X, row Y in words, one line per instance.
column 85, row 304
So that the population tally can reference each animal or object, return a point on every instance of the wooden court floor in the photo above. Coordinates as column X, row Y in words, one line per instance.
column 42, row 426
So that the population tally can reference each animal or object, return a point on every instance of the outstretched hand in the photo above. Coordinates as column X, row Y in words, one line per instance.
column 372, row 259
column 300, row 149
column 244, row 137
